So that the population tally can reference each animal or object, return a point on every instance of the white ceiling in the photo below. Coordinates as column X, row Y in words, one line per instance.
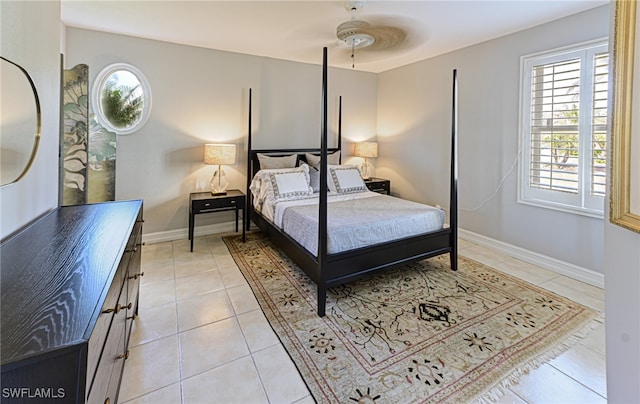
column 297, row 30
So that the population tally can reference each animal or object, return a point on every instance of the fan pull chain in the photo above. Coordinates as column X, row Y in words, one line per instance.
column 353, row 41
column 353, row 55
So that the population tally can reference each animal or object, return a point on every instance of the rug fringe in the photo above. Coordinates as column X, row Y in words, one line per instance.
column 497, row 391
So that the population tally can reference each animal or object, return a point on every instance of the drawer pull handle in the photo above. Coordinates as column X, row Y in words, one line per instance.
column 232, row 202
column 124, row 356
column 135, row 249
column 207, row 204
column 132, row 317
column 115, row 310
column 136, row 276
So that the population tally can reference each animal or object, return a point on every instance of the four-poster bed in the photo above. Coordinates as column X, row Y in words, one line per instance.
column 327, row 268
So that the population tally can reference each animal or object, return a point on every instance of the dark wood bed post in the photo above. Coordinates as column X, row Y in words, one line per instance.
column 247, row 204
column 322, row 214
column 453, row 203
column 340, row 128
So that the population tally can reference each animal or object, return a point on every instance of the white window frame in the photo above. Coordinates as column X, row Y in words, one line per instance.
column 583, row 202
column 96, row 98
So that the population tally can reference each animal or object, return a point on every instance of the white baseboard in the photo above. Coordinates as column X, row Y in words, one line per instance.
column 181, row 234
column 561, row 267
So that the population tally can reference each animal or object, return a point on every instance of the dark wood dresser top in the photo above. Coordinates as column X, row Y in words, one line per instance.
column 55, row 275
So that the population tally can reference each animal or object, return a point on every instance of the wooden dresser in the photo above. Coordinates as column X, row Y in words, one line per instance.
column 69, row 295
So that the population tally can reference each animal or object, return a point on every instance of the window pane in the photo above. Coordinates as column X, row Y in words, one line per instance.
column 122, row 99
column 554, row 126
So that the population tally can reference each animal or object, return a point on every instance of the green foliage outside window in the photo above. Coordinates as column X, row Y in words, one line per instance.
column 122, row 105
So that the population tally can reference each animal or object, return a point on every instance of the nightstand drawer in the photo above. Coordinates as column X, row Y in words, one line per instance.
column 218, row 203
column 379, row 185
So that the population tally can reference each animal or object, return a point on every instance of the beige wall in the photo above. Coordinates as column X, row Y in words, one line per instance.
column 414, row 115
column 622, row 307
column 200, row 96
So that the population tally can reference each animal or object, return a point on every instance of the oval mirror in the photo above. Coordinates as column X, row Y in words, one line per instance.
column 121, row 98
column 20, row 122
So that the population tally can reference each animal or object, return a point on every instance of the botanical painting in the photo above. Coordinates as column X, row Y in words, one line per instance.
column 89, row 150
column 75, row 106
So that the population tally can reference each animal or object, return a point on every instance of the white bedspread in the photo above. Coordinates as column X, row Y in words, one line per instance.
column 355, row 220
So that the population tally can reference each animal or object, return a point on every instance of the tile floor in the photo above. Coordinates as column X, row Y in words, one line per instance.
column 202, row 338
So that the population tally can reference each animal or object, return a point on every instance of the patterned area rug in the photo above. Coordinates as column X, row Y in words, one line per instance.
column 419, row 333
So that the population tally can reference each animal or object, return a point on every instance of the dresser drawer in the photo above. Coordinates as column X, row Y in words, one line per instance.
column 218, row 203
column 133, row 291
column 99, row 334
column 135, row 241
column 112, row 360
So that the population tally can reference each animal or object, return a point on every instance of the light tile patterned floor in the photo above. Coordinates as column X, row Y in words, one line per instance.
column 202, row 338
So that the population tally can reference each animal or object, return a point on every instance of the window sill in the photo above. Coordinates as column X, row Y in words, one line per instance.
column 596, row 214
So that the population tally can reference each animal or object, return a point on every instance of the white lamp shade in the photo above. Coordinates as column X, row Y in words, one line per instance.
column 220, row 153
column 367, row 149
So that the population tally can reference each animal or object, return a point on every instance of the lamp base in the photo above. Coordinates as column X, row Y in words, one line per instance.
column 219, row 182
column 364, row 170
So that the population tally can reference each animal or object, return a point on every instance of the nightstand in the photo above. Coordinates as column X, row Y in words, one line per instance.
column 205, row 202
column 379, row 185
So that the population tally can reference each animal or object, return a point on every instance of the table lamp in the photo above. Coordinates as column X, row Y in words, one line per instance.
column 366, row 150
column 219, row 154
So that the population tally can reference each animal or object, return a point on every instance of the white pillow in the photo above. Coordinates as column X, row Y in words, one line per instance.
column 314, row 161
column 269, row 162
column 347, row 179
column 289, row 184
column 263, row 175
column 262, row 188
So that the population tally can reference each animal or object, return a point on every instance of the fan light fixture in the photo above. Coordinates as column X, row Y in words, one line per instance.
column 353, row 32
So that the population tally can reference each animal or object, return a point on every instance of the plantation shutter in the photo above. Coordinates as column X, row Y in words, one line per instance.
column 555, row 100
column 564, row 129
column 599, row 124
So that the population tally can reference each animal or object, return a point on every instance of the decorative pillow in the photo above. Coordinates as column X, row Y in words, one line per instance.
column 277, row 162
column 347, row 179
column 290, row 184
column 261, row 186
column 314, row 179
column 314, row 161
column 263, row 175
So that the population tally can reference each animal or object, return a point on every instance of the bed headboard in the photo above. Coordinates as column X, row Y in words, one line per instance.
column 252, row 160
column 254, row 164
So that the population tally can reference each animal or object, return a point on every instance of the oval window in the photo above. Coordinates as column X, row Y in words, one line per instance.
column 121, row 98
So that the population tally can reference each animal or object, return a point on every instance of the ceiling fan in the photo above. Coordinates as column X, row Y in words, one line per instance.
column 358, row 34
